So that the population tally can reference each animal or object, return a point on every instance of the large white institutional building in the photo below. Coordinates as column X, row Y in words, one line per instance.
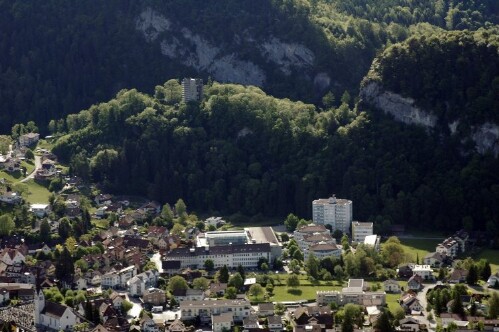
column 333, row 211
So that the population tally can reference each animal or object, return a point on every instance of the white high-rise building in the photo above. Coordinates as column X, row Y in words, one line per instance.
column 192, row 89
column 360, row 230
column 333, row 211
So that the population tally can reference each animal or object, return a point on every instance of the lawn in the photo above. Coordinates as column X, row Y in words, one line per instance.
column 12, row 177
column 492, row 256
column 418, row 247
column 36, row 193
column 100, row 223
column 284, row 293
column 392, row 301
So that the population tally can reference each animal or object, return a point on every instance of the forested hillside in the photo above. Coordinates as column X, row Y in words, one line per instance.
column 244, row 151
column 58, row 57
column 455, row 75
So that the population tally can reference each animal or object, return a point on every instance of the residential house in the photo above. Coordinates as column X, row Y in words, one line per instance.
column 404, row 271
column 425, row 271
column 410, row 303
column 434, row 259
column 117, row 324
column 493, row 280
column 448, row 247
column 275, row 323
column 115, row 279
column 391, row 286
column 141, row 282
column 151, row 208
column 266, row 309
column 103, row 199
column 11, row 256
column 311, row 327
column 28, row 139
column 189, row 294
column 250, row 323
column 34, row 249
column 190, row 310
column 409, row 324
column 320, row 315
column 144, row 245
column 214, row 221
column 107, row 311
column 175, row 326
column 171, row 267
column 457, row 276
column 217, row 289
column 116, row 299
column 40, row 210
column 80, row 282
column 11, row 197
column 222, row 322
column 448, row 318
column 154, row 296
column 415, row 283
column 147, row 324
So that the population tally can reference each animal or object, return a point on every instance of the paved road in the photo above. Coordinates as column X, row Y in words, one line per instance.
column 422, row 300
column 38, row 165
column 136, row 309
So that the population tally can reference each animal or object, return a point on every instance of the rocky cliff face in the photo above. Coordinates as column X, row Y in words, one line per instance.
column 402, row 109
column 181, row 44
column 485, row 136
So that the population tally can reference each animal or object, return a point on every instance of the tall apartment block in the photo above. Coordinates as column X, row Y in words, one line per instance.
column 333, row 211
column 192, row 89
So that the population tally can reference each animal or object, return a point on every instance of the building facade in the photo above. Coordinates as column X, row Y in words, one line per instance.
column 246, row 255
column 360, row 230
column 192, row 89
column 334, row 212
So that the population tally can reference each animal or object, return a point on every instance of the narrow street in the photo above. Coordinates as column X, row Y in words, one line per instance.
column 38, row 165
column 424, row 303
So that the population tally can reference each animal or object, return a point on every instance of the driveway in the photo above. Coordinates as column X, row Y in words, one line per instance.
column 38, row 165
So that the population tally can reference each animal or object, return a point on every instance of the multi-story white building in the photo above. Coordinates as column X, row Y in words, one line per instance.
column 355, row 293
column 448, row 247
column 246, row 255
column 192, row 89
column 360, row 230
column 119, row 278
column 204, row 309
column 333, row 211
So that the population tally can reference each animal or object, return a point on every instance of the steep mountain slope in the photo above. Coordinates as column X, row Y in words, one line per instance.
column 58, row 57
column 448, row 82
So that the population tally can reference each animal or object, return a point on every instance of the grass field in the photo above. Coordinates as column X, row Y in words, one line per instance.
column 11, row 177
column 100, row 223
column 284, row 293
column 492, row 256
column 418, row 247
column 36, row 193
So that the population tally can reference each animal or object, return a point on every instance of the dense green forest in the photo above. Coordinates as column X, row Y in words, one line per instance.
column 58, row 57
column 455, row 74
column 242, row 151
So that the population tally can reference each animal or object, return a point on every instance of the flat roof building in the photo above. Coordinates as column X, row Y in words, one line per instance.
column 192, row 89
column 360, row 230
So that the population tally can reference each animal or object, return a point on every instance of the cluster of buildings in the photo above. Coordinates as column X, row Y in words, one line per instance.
column 316, row 239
